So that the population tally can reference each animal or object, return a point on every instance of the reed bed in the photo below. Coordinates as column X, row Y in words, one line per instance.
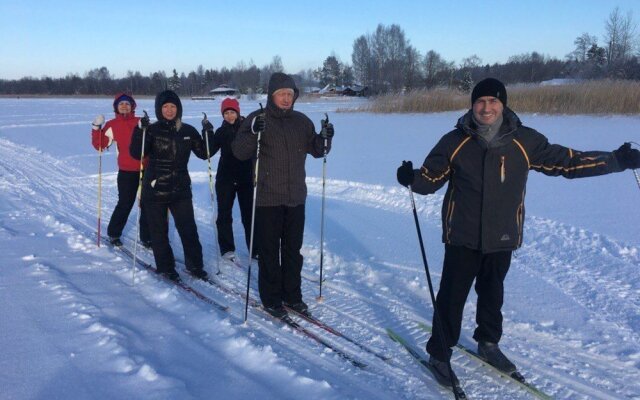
column 592, row 97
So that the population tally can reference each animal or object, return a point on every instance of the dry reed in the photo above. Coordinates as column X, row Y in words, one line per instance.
column 592, row 97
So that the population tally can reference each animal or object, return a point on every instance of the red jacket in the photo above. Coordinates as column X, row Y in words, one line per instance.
column 121, row 130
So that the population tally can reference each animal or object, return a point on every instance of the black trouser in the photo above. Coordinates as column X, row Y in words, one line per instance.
column 226, row 194
column 183, row 217
column 279, row 230
column 461, row 267
column 127, row 189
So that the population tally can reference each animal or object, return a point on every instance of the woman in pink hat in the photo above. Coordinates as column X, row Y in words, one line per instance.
column 233, row 178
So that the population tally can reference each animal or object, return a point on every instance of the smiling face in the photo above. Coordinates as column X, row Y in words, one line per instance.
column 169, row 111
column 124, row 107
column 487, row 109
column 230, row 116
column 283, row 98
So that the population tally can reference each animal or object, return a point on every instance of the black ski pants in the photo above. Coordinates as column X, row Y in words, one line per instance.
column 226, row 192
column 183, row 217
column 461, row 267
column 279, row 230
column 127, row 189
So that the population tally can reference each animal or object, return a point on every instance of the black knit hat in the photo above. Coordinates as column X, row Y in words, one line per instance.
column 490, row 87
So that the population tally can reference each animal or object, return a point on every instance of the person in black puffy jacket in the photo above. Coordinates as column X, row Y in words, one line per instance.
column 167, row 185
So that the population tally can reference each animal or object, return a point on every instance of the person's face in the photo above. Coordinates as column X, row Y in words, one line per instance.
column 169, row 111
column 124, row 107
column 487, row 109
column 283, row 98
column 230, row 116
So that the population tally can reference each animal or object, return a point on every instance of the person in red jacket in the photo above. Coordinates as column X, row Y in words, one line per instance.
column 119, row 130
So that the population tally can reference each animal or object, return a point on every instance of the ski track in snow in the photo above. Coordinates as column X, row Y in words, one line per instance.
column 579, row 269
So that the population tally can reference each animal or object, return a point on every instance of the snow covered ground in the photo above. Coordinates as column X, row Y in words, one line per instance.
column 76, row 323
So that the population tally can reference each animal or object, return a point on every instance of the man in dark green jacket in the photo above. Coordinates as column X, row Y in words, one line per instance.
column 287, row 136
column 486, row 160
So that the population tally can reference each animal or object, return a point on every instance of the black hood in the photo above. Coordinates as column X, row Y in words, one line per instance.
column 168, row 96
column 277, row 81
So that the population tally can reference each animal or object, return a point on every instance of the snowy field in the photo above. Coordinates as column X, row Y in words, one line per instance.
column 76, row 324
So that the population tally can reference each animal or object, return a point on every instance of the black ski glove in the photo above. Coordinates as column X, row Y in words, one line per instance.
column 207, row 129
column 207, row 125
column 627, row 157
column 258, row 124
column 327, row 130
column 143, row 123
column 405, row 173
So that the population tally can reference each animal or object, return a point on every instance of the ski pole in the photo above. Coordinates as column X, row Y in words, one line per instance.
column 139, row 195
column 213, row 203
column 433, row 297
column 635, row 172
column 99, row 188
column 253, row 219
column 324, row 123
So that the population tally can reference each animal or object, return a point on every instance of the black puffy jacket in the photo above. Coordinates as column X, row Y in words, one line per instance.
column 483, row 207
column 230, row 169
column 168, row 144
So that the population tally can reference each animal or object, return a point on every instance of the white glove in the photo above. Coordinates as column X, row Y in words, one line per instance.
column 98, row 121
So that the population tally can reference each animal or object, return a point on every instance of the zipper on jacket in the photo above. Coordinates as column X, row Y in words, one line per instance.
column 520, row 222
column 452, row 205
column 502, row 169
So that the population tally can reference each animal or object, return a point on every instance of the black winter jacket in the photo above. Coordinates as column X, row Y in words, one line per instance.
column 230, row 169
column 168, row 144
column 483, row 207
column 288, row 137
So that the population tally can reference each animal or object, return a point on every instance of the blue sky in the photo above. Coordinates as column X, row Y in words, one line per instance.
column 53, row 38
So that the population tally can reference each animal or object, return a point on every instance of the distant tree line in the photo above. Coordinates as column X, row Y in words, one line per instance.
column 99, row 81
column 384, row 61
column 387, row 62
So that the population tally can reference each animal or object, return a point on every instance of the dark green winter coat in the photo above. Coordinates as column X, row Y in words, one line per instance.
column 288, row 137
column 483, row 207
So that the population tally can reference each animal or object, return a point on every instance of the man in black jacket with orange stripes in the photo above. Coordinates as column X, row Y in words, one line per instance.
column 486, row 160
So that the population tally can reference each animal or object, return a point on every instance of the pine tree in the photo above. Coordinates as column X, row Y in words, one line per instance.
column 174, row 82
column 466, row 83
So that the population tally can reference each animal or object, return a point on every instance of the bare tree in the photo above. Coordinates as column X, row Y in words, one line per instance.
column 361, row 59
column 413, row 70
column 583, row 43
column 470, row 62
column 434, row 65
column 394, row 66
column 619, row 37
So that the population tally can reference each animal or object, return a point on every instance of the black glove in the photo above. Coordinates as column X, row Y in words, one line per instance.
column 206, row 125
column 627, row 157
column 327, row 130
column 405, row 173
column 143, row 123
column 258, row 123
column 207, row 129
